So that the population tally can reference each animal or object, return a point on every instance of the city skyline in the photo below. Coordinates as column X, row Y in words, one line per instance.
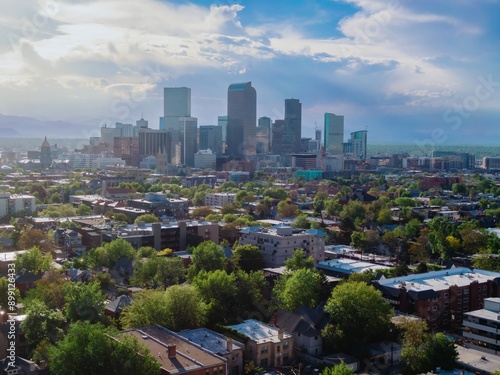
column 409, row 71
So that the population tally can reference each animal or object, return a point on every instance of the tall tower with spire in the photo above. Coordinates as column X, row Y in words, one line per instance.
column 45, row 156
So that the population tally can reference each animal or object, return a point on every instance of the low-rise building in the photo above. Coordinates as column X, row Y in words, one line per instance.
column 343, row 267
column 441, row 297
column 278, row 243
column 219, row 199
column 482, row 327
column 176, row 354
column 159, row 204
column 218, row 344
column 12, row 204
column 266, row 345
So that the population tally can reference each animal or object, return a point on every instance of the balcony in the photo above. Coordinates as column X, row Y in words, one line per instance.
column 480, row 327
column 474, row 336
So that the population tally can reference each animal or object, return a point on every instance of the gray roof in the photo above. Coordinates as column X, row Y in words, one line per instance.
column 210, row 340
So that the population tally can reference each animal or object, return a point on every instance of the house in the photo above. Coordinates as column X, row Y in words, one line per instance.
column 305, row 324
column 77, row 275
column 115, row 307
column 20, row 366
column 224, row 347
column 177, row 354
column 26, row 280
column 266, row 345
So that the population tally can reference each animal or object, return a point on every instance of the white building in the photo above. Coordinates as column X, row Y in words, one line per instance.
column 278, row 243
column 482, row 327
column 205, row 159
column 219, row 199
column 13, row 204
column 103, row 163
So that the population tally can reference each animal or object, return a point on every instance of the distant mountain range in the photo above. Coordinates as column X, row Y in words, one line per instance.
column 27, row 127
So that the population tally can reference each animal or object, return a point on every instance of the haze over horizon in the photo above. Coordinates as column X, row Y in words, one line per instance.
column 410, row 72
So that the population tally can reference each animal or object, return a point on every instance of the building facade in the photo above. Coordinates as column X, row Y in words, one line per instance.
column 334, row 134
column 219, row 199
column 278, row 243
column 482, row 327
column 267, row 346
column 441, row 297
column 210, row 138
column 241, row 120
column 293, row 125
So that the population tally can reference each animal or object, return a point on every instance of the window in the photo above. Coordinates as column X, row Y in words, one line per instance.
column 466, row 300
column 434, row 308
column 285, row 345
column 315, row 337
column 445, row 313
column 264, row 349
column 446, row 304
column 460, row 301
column 466, row 291
column 434, row 299
column 446, row 295
column 466, row 308
column 485, row 287
column 459, row 310
column 459, row 292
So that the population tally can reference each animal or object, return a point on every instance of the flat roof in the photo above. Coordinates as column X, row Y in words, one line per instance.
column 11, row 256
column 440, row 280
column 213, row 341
column 472, row 359
column 259, row 332
column 349, row 266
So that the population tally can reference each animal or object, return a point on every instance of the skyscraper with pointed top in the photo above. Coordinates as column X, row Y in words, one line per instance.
column 241, row 120
column 45, row 155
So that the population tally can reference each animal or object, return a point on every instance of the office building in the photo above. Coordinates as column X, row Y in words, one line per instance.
column 317, row 135
column 356, row 146
column 278, row 243
column 441, row 297
column 177, row 121
column 45, row 155
column 265, row 126
column 241, row 120
column 334, row 134
column 277, row 137
column 205, row 159
column 304, row 161
column 210, row 138
column 153, row 141
column 222, row 122
column 127, row 149
column 293, row 125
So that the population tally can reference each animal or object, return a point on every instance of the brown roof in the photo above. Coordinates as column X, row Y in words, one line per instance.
column 189, row 356
column 119, row 191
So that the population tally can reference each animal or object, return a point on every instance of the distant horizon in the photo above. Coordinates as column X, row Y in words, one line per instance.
column 409, row 71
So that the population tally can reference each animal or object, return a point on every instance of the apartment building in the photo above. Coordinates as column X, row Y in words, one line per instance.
column 278, row 243
column 441, row 297
column 482, row 327
column 219, row 199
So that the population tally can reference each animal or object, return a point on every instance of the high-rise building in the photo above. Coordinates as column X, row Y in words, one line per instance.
column 264, row 127
column 317, row 135
column 188, row 141
column 334, row 134
column 210, row 138
column 293, row 126
column 153, row 142
column 241, row 120
column 355, row 148
column 278, row 130
column 45, row 156
column 176, row 112
column 127, row 148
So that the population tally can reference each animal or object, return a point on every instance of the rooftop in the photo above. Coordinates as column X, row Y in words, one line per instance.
column 238, row 86
column 441, row 280
column 188, row 357
column 213, row 341
column 259, row 332
column 349, row 266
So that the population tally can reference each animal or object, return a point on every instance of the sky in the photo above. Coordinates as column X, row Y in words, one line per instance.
column 422, row 72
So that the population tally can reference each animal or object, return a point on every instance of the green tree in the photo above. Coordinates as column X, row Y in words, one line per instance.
column 359, row 240
column 440, row 228
column 384, row 216
column 358, row 314
column 88, row 349
column 299, row 260
column 207, row 256
column 110, row 252
column 159, row 271
column 248, row 257
column 340, row 369
column 299, row 288
column 83, row 210
column 33, row 261
column 50, row 290
column 4, row 294
column 301, row 222
column 146, row 218
column 354, row 210
column 121, row 217
column 42, row 322
column 84, row 302
column 178, row 307
column 287, row 208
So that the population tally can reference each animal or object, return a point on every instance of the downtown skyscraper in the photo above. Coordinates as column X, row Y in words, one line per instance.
column 334, row 134
column 241, row 120
column 178, row 122
column 293, row 126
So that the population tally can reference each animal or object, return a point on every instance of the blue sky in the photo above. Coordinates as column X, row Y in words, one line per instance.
column 421, row 72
